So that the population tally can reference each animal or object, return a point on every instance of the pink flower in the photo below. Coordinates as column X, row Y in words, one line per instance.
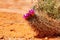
column 29, row 14
column 32, row 12
column 26, row 16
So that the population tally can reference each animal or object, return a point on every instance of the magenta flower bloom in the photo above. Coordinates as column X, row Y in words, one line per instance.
column 29, row 14
column 26, row 15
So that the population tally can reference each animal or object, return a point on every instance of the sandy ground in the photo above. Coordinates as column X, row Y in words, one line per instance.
column 19, row 6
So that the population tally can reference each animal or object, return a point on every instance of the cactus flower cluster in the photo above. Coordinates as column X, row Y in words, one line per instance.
column 29, row 14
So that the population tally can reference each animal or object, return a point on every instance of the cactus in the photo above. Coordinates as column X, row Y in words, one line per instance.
column 45, row 27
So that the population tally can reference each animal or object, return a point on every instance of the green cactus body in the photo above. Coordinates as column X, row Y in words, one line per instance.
column 52, row 7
